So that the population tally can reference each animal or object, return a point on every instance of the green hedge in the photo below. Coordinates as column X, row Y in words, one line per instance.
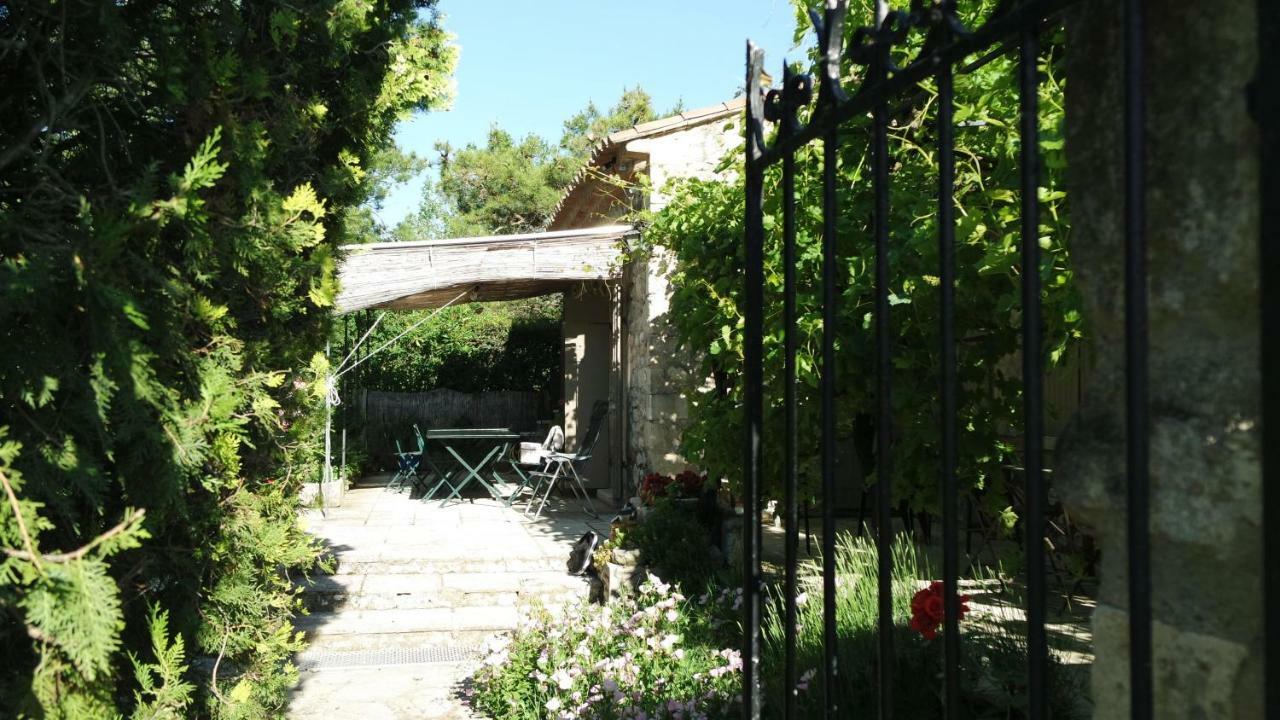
column 513, row 345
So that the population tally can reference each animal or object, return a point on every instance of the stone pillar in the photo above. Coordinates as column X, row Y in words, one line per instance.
column 660, row 372
column 1203, row 215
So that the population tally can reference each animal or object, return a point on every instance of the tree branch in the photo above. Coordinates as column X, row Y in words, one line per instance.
column 21, row 145
column 132, row 519
column 213, row 679
column 22, row 524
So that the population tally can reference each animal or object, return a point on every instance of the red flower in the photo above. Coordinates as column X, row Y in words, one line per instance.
column 924, row 627
column 928, row 610
column 935, row 608
column 688, row 483
column 691, row 482
column 654, row 486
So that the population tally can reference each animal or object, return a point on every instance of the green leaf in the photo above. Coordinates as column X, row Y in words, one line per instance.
column 135, row 315
column 76, row 606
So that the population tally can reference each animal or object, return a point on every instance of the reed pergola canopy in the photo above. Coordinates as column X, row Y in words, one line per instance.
column 431, row 273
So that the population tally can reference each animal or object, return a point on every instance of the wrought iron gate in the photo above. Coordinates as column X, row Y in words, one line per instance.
column 1013, row 27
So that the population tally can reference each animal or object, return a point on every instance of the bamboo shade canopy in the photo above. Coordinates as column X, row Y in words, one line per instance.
column 430, row 273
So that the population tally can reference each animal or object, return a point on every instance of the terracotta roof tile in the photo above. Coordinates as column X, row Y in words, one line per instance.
column 653, row 128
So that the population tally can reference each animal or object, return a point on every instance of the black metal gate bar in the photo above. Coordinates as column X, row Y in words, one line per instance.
column 950, row 44
column 884, row 370
column 753, row 379
column 830, row 142
column 790, row 99
column 904, row 80
column 1032, row 376
column 1135, row 339
column 947, row 318
column 1266, row 113
column 830, row 28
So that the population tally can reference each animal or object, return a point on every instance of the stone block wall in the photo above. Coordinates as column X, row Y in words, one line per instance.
column 587, row 329
column 658, row 372
column 1202, row 227
column 694, row 152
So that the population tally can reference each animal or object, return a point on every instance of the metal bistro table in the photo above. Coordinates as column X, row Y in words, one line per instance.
column 459, row 444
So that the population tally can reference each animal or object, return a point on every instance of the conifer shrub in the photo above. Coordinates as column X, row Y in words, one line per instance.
column 174, row 180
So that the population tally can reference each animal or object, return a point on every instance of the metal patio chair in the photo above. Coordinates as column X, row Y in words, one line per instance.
column 409, row 464
column 535, row 456
column 564, row 466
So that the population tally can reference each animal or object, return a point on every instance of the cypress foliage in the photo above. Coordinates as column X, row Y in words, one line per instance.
column 174, row 178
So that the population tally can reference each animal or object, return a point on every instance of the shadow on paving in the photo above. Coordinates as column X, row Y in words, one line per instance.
column 416, row 587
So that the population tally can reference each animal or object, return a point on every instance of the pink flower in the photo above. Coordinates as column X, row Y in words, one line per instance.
column 803, row 683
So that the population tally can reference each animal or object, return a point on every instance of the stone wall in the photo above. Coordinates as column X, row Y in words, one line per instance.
column 694, row 152
column 658, row 371
column 1202, row 225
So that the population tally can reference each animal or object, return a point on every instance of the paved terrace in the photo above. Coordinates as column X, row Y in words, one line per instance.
column 417, row 588
column 394, row 632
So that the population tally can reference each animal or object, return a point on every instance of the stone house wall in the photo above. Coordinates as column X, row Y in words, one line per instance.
column 657, row 371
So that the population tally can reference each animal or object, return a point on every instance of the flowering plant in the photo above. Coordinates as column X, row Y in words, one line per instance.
column 928, row 610
column 657, row 656
column 689, row 483
column 654, row 486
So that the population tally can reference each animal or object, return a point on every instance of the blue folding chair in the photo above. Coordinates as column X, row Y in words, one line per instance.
column 409, row 463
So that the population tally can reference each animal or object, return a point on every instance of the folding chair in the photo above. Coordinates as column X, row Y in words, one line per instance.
column 409, row 463
column 406, row 467
column 536, row 456
column 564, row 466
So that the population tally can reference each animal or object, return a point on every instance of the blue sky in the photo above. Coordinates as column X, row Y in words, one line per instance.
column 529, row 65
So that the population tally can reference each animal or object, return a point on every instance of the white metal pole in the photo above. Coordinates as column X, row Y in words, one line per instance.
column 328, row 428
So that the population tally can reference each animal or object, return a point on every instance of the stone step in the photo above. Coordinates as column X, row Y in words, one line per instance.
column 431, row 691
column 313, row 660
column 469, row 639
column 350, row 630
column 395, row 621
column 374, row 565
column 426, row 590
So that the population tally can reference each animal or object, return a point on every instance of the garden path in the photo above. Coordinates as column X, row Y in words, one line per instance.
column 396, row 630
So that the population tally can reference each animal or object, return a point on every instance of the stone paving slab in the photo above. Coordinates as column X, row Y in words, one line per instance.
column 393, row 692
column 407, row 620
column 411, row 576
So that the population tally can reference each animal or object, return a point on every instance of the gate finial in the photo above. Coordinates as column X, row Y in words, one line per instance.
column 755, row 101
column 830, row 29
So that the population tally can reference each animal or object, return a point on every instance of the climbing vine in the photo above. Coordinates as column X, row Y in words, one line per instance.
column 702, row 229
